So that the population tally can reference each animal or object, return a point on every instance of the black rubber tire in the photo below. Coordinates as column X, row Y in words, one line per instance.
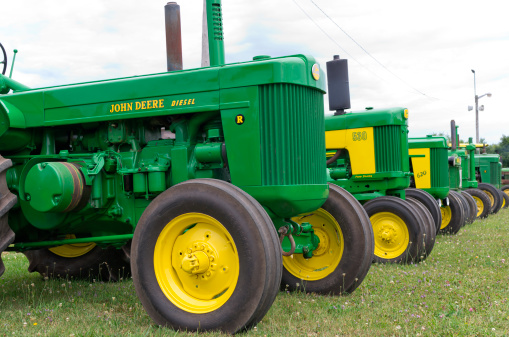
column 488, row 188
column 358, row 246
column 407, row 214
column 483, row 197
column 254, row 236
column 429, row 226
column 457, row 215
column 4, row 56
column 505, row 203
column 472, row 204
column 429, row 202
column 7, row 201
column 108, row 264
column 466, row 207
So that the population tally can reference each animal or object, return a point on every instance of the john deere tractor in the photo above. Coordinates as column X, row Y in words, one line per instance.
column 194, row 176
column 367, row 155
column 488, row 172
column 429, row 164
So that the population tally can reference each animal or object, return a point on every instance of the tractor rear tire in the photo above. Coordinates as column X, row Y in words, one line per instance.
column 466, row 207
column 482, row 201
column 429, row 202
column 345, row 252
column 429, row 225
column 108, row 264
column 397, row 229
column 7, row 201
column 215, row 231
column 453, row 216
column 472, row 204
column 495, row 198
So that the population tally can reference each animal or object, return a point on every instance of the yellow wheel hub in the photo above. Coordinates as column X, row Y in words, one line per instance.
column 391, row 235
column 72, row 250
column 328, row 254
column 492, row 199
column 196, row 263
column 480, row 205
column 446, row 216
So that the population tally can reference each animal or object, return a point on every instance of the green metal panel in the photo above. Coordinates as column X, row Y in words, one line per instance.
column 439, row 172
column 388, row 150
column 439, row 166
column 286, row 113
column 392, row 174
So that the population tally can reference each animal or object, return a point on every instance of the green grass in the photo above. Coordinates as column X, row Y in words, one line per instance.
column 461, row 289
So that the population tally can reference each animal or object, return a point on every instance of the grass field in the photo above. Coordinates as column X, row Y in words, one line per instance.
column 462, row 289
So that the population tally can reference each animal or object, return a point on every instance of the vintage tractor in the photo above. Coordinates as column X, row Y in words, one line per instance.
column 488, row 172
column 429, row 164
column 194, row 174
column 367, row 155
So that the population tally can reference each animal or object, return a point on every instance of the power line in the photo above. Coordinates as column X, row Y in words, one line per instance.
column 336, row 43
column 369, row 54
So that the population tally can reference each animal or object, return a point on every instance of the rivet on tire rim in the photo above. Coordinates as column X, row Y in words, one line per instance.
column 446, row 216
column 328, row 254
column 391, row 235
column 196, row 263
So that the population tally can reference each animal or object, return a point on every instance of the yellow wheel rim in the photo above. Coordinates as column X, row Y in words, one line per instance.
column 446, row 216
column 492, row 199
column 72, row 250
column 480, row 205
column 391, row 235
column 503, row 202
column 196, row 263
column 328, row 254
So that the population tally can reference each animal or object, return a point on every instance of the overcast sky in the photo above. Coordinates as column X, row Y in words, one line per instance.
column 422, row 52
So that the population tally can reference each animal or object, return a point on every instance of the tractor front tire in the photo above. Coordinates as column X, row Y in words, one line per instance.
column 429, row 227
column 466, row 208
column 397, row 230
column 482, row 202
column 472, row 204
column 205, row 256
column 453, row 215
column 79, row 261
column 344, row 254
column 429, row 202
column 495, row 197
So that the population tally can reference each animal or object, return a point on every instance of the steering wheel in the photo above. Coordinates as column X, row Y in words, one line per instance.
column 4, row 60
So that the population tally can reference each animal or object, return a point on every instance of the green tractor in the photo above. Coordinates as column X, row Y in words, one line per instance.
column 367, row 155
column 188, row 178
column 461, row 173
column 429, row 164
column 488, row 172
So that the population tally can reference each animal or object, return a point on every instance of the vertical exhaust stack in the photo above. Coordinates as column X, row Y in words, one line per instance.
column 173, row 36
column 338, row 85
column 453, row 135
column 213, row 38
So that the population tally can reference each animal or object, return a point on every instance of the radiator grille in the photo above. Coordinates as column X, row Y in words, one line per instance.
column 292, row 135
column 495, row 174
column 388, row 155
column 439, row 168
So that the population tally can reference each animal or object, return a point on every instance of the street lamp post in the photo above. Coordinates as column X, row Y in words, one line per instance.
column 477, row 109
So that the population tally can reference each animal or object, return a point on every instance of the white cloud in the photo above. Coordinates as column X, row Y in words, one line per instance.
column 430, row 45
